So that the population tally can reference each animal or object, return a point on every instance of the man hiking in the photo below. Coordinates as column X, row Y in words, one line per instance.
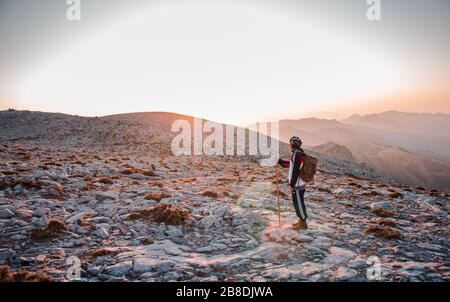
column 295, row 164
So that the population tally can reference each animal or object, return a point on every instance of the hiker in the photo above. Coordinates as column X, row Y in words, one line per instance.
column 295, row 164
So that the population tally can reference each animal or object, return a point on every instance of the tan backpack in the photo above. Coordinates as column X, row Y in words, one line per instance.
column 308, row 171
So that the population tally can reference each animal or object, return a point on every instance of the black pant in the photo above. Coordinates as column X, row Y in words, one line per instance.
column 299, row 203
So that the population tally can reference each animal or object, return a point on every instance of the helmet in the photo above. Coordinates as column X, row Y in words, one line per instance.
column 296, row 142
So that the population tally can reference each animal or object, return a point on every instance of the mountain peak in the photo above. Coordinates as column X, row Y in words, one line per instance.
column 334, row 150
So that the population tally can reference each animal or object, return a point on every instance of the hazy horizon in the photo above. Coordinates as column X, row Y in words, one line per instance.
column 234, row 62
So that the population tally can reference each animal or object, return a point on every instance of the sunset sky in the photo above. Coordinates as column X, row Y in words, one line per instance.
column 229, row 61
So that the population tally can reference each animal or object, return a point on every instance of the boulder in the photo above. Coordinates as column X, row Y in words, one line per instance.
column 209, row 221
column 341, row 191
column 102, row 196
column 101, row 232
column 6, row 213
column 385, row 205
column 75, row 218
column 144, row 265
column 18, row 237
column 119, row 269
column 7, row 255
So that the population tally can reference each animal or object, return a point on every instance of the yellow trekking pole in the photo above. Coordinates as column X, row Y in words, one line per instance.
column 278, row 198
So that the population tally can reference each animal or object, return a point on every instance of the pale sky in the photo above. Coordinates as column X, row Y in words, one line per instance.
column 229, row 61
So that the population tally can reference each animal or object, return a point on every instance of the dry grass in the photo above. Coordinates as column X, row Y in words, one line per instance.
column 282, row 257
column 146, row 241
column 186, row 180
column 384, row 232
column 27, row 183
column 347, row 204
column 6, row 275
column 162, row 213
column 316, row 198
column 219, row 268
column 88, row 187
column 371, row 193
column 226, row 179
column 157, row 196
column 387, row 222
column 8, row 172
column 133, row 170
column 209, row 193
column 24, row 182
column 77, row 176
column 156, row 184
column 127, row 171
column 227, row 192
column 201, row 274
column 104, row 252
column 106, row 181
column 55, row 195
column 51, row 163
column 24, row 155
column 383, row 213
column 434, row 193
column 351, row 175
column 23, row 170
column 282, row 194
column 345, row 196
column 53, row 229
column 148, row 172
column 324, row 190
column 395, row 195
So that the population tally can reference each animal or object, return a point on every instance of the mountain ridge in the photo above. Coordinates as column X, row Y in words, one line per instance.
column 140, row 129
column 368, row 135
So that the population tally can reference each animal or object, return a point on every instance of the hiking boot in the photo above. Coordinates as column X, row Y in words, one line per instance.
column 297, row 223
column 301, row 225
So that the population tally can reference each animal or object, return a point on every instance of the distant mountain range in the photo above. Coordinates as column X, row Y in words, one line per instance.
column 411, row 147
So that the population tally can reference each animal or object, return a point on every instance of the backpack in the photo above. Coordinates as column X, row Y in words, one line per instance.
column 308, row 171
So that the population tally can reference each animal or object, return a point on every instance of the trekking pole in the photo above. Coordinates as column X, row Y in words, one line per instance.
column 278, row 197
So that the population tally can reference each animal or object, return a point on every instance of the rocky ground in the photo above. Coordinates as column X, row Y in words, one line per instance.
column 110, row 192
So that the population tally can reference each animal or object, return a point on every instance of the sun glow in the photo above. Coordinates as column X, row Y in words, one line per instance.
column 228, row 62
